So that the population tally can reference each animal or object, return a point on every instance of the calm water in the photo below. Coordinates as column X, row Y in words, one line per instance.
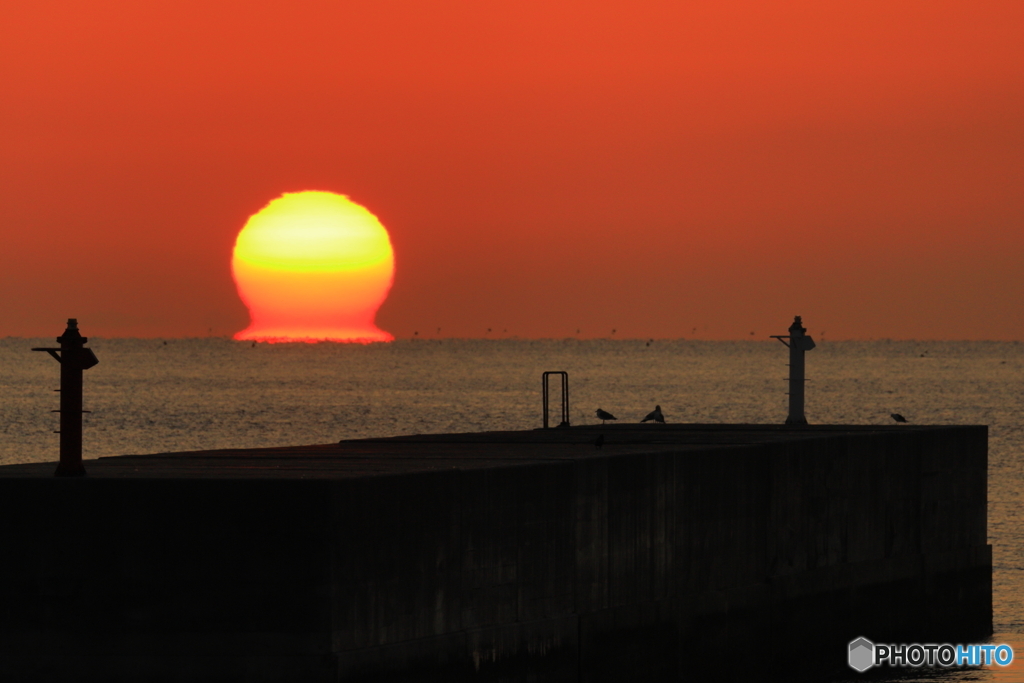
column 151, row 396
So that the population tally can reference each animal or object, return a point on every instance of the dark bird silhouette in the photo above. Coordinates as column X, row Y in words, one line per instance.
column 897, row 417
column 599, row 441
column 655, row 415
column 603, row 415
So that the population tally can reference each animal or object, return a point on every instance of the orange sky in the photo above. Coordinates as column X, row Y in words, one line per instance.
column 541, row 166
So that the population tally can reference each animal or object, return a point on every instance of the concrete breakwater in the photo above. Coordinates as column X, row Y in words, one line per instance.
column 722, row 551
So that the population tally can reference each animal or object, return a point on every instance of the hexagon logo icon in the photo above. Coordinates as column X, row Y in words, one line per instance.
column 862, row 654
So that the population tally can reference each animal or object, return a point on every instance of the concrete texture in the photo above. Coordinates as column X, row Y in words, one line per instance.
column 722, row 552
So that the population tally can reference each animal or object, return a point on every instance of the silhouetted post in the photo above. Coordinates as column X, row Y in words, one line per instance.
column 73, row 358
column 565, row 396
column 799, row 342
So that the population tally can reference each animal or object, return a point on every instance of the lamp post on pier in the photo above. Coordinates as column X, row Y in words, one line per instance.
column 799, row 342
column 74, row 358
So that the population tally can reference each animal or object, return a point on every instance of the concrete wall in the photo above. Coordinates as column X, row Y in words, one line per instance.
column 711, row 562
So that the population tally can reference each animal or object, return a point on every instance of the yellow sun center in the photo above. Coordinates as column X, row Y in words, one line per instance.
column 313, row 231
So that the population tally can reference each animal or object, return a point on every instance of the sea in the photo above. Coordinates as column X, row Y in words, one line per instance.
column 166, row 395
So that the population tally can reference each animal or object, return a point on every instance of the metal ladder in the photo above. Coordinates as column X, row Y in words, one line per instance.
column 565, row 397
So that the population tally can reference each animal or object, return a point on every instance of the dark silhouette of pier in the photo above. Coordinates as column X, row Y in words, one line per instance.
column 715, row 551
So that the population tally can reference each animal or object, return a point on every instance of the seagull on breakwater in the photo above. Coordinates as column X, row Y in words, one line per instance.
column 603, row 415
column 897, row 417
column 655, row 415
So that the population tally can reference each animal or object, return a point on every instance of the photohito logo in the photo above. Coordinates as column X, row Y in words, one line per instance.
column 863, row 654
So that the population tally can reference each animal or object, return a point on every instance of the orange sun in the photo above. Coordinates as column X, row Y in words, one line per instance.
column 313, row 266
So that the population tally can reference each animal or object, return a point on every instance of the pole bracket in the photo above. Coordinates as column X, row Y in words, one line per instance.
column 52, row 352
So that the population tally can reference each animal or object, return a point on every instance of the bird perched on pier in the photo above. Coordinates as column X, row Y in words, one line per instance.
column 603, row 415
column 655, row 415
column 897, row 417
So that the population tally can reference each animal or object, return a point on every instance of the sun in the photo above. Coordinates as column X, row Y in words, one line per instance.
column 313, row 266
